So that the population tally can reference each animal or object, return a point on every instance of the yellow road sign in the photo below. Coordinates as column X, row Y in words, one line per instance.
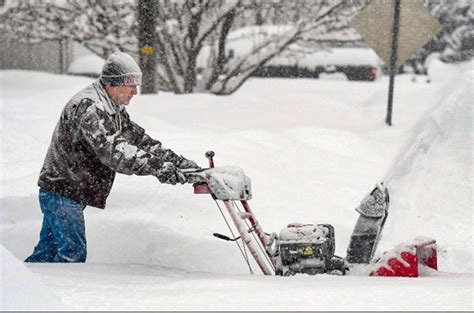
column 417, row 27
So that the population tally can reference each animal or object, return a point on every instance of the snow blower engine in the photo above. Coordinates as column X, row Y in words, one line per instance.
column 307, row 248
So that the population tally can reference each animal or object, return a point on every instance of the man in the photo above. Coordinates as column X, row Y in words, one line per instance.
column 93, row 139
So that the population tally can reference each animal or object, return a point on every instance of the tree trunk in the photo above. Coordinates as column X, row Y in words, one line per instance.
column 190, row 70
column 147, row 15
column 221, row 50
column 258, row 12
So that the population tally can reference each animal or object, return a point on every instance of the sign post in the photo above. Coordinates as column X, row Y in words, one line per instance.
column 395, row 29
column 393, row 61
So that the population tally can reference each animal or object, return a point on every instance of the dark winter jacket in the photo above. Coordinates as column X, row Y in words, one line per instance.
column 95, row 138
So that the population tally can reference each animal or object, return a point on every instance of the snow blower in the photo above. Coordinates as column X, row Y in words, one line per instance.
column 306, row 248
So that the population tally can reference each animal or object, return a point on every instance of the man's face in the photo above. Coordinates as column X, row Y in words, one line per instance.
column 121, row 95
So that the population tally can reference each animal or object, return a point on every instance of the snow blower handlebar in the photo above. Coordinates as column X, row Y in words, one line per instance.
column 198, row 175
column 210, row 156
column 194, row 176
column 221, row 184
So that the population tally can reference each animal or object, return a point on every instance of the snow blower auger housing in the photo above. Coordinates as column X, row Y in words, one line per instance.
column 300, row 248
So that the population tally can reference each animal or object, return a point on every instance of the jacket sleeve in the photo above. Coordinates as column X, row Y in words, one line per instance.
column 145, row 142
column 112, row 148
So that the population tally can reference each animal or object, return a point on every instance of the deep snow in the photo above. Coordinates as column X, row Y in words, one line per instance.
column 312, row 148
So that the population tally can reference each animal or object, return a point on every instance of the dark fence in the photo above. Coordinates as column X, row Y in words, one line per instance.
column 49, row 56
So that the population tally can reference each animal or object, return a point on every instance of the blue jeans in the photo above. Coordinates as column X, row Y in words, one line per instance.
column 63, row 234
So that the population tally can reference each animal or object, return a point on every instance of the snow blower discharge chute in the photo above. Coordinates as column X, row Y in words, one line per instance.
column 308, row 248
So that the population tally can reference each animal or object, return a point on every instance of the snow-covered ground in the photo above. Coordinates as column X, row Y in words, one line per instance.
column 313, row 149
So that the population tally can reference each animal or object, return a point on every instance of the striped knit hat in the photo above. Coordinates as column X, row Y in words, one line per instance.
column 120, row 69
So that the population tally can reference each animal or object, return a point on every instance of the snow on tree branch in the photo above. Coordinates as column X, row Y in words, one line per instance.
column 101, row 26
column 201, row 46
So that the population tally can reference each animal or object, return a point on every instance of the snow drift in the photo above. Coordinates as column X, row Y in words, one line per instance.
column 431, row 181
column 21, row 290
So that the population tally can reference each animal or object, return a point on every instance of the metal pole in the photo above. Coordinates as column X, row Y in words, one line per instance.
column 393, row 61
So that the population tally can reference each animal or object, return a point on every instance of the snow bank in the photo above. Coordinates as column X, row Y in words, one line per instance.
column 431, row 181
column 21, row 290
column 438, row 71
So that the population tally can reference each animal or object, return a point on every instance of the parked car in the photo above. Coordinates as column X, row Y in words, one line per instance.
column 355, row 63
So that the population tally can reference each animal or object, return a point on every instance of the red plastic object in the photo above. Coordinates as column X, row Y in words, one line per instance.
column 428, row 256
column 202, row 189
column 403, row 260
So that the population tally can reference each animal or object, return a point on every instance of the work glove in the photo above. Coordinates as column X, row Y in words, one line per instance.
column 170, row 174
column 185, row 163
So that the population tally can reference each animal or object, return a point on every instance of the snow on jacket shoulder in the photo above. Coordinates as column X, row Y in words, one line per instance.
column 93, row 140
